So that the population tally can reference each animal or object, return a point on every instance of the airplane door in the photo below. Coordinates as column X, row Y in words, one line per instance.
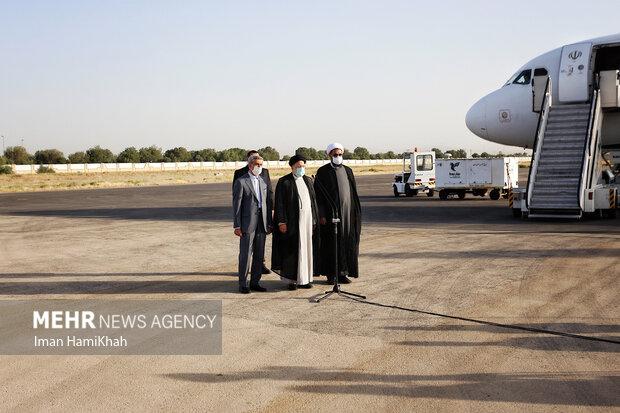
column 574, row 67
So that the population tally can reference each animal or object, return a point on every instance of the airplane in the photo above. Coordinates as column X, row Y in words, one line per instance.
column 509, row 115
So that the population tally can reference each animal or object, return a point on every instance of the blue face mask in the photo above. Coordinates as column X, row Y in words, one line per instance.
column 300, row 172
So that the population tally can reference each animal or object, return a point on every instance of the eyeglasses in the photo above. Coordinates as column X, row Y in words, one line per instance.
column 337, row 155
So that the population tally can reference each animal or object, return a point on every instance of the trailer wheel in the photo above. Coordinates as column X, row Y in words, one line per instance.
column 396, row 193
column 461, row 194
column 443, row 194
column 430, row 193
column 494, row 195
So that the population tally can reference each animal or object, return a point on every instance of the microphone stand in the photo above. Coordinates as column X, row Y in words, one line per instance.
column 335, row 221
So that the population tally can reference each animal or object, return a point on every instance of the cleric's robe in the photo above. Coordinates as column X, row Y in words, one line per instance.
column 339, row 185
column 300, row 214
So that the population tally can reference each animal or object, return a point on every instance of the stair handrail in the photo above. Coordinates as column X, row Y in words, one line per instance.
column 543, row 117
column 593, row 121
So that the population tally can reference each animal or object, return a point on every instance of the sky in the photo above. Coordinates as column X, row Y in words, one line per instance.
column 385, row 75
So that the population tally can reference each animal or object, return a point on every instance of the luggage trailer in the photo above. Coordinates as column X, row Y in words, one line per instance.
column 478, row 176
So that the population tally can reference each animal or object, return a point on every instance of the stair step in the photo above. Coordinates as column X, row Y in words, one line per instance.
column 552, row 206
column 574, row 156
column 567, row 120
column 581, row 112
column 553, row 188
column 566, row 134
column 558, row 144
column 570, row 108
column 561, row 152
column 551, row 199
column 552, row 181
column 560, row 168
column 555, row 192
column 577, row 113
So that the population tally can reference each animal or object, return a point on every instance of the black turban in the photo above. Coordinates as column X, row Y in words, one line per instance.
column 296, row 158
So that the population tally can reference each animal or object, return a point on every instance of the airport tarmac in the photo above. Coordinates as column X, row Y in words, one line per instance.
column 281, row 351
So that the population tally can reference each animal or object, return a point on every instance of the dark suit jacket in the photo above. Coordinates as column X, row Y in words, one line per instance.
column 246, row 206
column 264, row 174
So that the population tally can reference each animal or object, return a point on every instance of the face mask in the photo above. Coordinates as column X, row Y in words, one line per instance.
column 300, row 172
column 257, row 170
column 337, row 159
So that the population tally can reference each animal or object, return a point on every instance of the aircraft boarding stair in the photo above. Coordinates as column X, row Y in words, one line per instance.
column 564, row 159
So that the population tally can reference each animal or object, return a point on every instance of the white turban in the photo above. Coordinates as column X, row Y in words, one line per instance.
column 333, row 146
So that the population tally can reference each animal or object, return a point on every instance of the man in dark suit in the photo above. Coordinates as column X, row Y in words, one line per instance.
column 265, row 175
column 252, row 208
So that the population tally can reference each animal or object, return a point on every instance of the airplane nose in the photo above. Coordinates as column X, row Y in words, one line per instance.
column 476, row 119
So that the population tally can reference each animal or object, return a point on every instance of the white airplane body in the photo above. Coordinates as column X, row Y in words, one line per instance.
column 506, row 116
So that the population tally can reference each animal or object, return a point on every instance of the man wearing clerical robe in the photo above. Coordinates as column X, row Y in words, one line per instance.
column 335, row 187
column 294, row 251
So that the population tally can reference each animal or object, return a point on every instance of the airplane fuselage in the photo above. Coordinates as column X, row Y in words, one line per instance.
column 507, row 115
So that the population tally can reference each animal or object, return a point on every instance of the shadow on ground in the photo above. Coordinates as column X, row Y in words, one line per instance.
column 537, row 388
column 157, row 214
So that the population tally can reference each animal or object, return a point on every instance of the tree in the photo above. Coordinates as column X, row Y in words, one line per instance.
column 348, row 155
column 361, row 153
column 457, row 153
column 204, row 155
column 475, row 155
column 179, row 154
column 438, row 153
column 49, row 156
column 390, row 155
column 232, row 155
column 78, row 157
column 150, row 154
column 129, row 155
column 3, row 160
column 269, row 154
column 18, row 155
column 485, row 155
column 309, row 153
column 286, row 158
column 100, row 155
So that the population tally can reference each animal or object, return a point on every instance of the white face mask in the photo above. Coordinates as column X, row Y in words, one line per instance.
column 337, row 159
column 300, row 172
column 257, row 170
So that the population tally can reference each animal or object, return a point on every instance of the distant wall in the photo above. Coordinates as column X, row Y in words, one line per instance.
column 178, row 166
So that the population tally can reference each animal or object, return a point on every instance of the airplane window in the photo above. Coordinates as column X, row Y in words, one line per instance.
column 523, row 78
column 424, row 162
column 541, row 71
column 512, row 78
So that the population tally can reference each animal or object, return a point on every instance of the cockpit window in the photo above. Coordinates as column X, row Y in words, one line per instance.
column 523, row 78
column 520, row 78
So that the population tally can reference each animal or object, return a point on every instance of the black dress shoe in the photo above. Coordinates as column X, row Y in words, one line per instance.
column 265, row 270
column 292, row 286
column 306, row 286
column 244, row 290
column 258, row 288
column 344, row 280
column 331, row 281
